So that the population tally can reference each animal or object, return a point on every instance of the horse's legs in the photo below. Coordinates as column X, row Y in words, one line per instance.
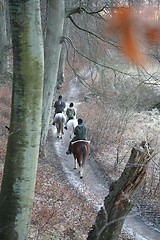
column 61, row 128
column 59, row 135
column 57, row 130
column 81, row 169
column 75, row 166
column 72, row 132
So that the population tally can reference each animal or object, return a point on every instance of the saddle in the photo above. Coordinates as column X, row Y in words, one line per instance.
column 81, row 141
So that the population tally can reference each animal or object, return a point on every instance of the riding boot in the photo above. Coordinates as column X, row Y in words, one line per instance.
column 53, row 123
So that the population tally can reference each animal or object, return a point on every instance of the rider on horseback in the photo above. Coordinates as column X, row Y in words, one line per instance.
column 59, row 106
column 71, row 113
column 80, row 133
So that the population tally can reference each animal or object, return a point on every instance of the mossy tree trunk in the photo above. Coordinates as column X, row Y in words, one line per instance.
column 3, row 39
column 20, row 168
column 118, row 203
column 52, row 49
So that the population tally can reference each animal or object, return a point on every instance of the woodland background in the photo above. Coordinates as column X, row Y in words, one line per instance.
column 125, row 99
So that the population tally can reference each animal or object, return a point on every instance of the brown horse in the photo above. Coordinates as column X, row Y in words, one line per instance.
column 81, row 151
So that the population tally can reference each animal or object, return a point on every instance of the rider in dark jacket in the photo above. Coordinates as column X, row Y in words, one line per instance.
column 80, row 133
column 59, row 106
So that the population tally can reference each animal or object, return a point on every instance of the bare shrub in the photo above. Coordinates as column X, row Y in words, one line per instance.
column 118, row 113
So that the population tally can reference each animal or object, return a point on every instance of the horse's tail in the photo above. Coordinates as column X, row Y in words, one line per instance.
column 62, row 122
column 84, row 153
column 59, row 124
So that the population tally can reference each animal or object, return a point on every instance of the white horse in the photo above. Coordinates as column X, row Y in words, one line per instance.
column 60, row 120
column 71, row 124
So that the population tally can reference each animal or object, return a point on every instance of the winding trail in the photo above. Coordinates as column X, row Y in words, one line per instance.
column 94, row 185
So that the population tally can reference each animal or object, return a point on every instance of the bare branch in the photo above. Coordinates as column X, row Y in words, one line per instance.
column 85, row 30
column 81, row 9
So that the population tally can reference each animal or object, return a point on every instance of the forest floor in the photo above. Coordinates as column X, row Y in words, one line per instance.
column 59, row 211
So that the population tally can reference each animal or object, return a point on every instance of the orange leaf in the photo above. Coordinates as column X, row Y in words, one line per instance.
column 122, row 23
column 153, row 35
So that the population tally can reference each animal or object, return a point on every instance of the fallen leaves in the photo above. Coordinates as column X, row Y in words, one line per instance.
column 55, row 204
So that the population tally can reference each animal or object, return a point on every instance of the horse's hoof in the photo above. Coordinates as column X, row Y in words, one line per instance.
column 57, row 136
column 75, row 168
column 81, row 177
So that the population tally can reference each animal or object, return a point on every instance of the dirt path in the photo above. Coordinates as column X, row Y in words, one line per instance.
column 94, row 185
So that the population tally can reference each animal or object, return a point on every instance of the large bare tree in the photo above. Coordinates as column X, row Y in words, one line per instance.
column 19, row 176
column 52, row 49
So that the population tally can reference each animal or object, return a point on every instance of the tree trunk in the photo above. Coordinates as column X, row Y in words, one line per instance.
column 20, row 168
column 55, row 21
column 62, row 60
column 3, row 39
column 117, row 204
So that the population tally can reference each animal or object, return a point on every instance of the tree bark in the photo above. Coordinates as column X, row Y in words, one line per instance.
column 55, row 21
column 20, row 168
column 118, row 203
column 3, row 39
column 62, row 60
